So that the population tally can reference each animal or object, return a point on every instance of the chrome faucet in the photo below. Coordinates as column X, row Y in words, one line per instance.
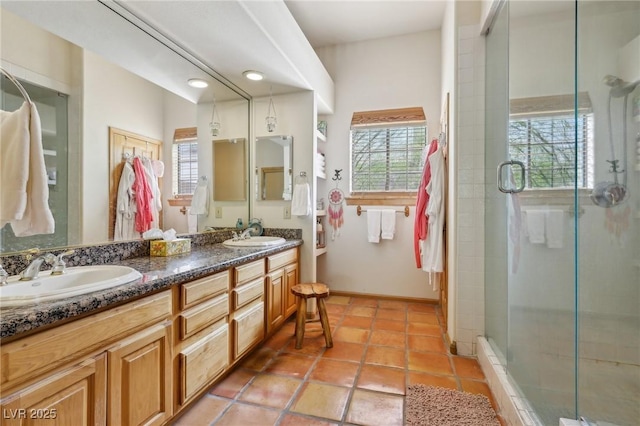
column 246, row 234
column 59, row 266
column 31, row 272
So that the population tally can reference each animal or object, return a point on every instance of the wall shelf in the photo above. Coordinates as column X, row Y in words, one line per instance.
column 320, row 251
column 321, row 212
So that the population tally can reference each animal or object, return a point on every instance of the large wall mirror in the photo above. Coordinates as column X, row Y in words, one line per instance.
column 274, row 165
column 110, row 72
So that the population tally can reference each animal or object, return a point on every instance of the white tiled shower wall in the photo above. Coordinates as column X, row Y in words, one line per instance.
column 470, row 177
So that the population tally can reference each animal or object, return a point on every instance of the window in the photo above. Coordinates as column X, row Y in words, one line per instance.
column 555, row 146
column 386, row 150
column 185, row 161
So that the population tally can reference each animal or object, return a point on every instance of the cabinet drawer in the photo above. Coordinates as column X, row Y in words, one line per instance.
column 200, row 316
column 248, row 272
column 202, row 289
column 247, row 292
column 203, row 361
column 278, row 260
column 248, row 328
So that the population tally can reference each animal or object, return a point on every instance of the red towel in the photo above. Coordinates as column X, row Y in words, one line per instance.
column 421, row 224
column 141, row 187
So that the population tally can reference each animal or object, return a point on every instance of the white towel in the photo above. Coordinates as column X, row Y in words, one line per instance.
column 192, row 222
column 14, row 166
column 200, row 199
column 301, row 200
column 535, row 226
column 373, row 225
column 554, row 228
column 29, row 181
column 387, row 224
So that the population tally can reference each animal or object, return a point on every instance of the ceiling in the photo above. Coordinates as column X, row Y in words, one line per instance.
column 330, row 22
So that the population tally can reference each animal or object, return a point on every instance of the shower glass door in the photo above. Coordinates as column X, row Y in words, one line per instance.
column 608, row 70
column 530, row 239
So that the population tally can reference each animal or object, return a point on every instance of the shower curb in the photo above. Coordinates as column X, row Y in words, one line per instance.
column 514, row 409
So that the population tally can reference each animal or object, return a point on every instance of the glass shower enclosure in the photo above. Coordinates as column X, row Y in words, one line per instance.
column 562, row 207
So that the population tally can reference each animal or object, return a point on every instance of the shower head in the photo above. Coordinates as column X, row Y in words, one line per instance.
column 619, row 87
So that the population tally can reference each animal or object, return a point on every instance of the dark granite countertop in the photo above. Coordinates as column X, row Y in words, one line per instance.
column 158, row 273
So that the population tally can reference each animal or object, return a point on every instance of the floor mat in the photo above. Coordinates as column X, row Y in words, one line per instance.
column 436, row 406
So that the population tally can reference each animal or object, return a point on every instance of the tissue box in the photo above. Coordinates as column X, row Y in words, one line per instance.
column 170, row 248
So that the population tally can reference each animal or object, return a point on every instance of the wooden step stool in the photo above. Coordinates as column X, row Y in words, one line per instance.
column 304, row 292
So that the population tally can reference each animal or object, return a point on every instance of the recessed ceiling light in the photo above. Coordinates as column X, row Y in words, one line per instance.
column 197, row 82
column 253, row 75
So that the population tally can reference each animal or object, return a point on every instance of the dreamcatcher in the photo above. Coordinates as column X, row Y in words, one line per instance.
column 336, row 198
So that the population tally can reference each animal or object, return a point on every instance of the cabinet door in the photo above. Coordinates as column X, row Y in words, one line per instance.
column 74, row 396
column 275, row 301
column 248, row 328
column 201, row 362
column 140, row 378
column 290, row 279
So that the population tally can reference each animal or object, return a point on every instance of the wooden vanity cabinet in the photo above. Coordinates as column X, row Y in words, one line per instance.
column 141, row 363
column 282, row 274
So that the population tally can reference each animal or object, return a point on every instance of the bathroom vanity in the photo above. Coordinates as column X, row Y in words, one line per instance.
column 141, row 352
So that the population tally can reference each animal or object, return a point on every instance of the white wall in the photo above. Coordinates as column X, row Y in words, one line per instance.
column 393, row 72
column 296, row 117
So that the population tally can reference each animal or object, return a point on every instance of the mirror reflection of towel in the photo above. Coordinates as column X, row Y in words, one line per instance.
column 301, row 200
column 200, row 199
column 554, row 225
column 25, row 191
column 535, row 226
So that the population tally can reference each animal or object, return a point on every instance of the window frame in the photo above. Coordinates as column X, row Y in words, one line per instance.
column 385, row 119
column 183, row 136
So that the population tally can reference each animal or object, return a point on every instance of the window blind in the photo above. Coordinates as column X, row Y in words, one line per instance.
column 185, row 160
column 387, row 158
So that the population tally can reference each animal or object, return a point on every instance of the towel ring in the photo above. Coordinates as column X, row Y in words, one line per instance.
column 22, row 90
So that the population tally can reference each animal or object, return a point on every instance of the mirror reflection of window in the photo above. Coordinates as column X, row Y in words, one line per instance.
column 185, row 161
column 274, row 165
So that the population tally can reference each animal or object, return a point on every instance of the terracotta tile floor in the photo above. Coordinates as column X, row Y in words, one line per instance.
column 380, row 347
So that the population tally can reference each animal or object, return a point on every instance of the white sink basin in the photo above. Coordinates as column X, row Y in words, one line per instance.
column 75, row 281
column 260, row 241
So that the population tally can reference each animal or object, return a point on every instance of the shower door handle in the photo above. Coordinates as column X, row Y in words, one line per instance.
column 501, row 186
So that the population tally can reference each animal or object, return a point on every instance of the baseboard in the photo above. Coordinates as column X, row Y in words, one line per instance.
column 385, row 297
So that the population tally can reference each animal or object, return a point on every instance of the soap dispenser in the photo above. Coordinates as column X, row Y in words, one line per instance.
column 239, row 224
